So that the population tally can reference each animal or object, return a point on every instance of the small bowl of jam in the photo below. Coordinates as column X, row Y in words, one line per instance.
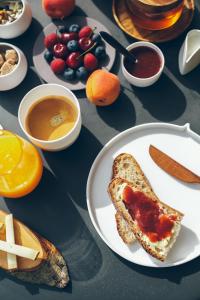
column 148, row 67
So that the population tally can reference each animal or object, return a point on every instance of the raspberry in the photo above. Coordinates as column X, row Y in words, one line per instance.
column 90, row 61
column 58, row 65
column 50, row 40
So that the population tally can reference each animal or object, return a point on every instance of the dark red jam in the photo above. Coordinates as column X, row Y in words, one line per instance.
column 150, row 218
column 148, row 62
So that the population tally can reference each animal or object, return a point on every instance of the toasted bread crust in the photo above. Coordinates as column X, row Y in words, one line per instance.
column 124, row 230
column 52, row 272
column 115, row 191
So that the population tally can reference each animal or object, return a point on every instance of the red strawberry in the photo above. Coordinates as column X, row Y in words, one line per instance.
column 50, row 40
column 90, row 61
column 86, row 31
column 58, row 65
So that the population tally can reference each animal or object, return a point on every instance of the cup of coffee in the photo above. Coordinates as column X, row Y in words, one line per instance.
column 50, row 117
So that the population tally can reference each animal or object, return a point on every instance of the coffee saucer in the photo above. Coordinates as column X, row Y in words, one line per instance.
column 125, row 21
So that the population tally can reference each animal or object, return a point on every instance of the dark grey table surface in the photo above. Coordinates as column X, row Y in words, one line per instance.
column 57, row 208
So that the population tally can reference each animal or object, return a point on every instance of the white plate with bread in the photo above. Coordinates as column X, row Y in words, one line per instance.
column 125, row 164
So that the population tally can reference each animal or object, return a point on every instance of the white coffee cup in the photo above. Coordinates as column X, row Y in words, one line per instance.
column 33, row 96
column 143, row 82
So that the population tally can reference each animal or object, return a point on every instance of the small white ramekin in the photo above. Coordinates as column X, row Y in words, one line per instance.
column 20, row 25
column 17, row 75
column 143, row 82
column 33, row 96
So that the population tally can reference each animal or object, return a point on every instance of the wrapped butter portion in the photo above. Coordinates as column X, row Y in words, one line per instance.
column 18, row 250
column 10, row 237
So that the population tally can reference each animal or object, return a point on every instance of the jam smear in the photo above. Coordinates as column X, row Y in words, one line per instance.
column 149, row 216
column 148, row 62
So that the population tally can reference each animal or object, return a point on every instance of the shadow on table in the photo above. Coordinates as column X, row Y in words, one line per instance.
column 71, row 166
column 120, row 115
column 12, row 98
column 27, row 39
column 105, row 7
column 50, row 211
column 164, row 100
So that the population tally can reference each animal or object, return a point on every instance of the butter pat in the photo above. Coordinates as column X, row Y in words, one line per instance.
column 10, row 237
column 18, row 250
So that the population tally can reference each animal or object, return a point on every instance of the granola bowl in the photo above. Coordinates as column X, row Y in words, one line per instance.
column 15, row 18
column 13, row 66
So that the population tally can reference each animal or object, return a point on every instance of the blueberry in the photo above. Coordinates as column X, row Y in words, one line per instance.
column 81, row 73
column 72, row 45
column 48, row 56
column 96, row 38
column 74, row 28
column 100, row 52
column 69, row 74
column 62, row 28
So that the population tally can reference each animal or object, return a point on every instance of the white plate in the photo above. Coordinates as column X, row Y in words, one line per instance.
column 181, row 143
column 43, row 68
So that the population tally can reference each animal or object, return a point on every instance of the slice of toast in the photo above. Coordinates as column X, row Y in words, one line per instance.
column 159, row 249
column 126, row 167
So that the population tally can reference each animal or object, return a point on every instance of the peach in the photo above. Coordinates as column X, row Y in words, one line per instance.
column 58, row 8
column 102, row 88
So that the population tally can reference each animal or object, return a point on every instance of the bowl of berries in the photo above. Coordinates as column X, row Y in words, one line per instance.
column 67, row 52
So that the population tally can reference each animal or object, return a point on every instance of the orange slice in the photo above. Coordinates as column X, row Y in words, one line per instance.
column 24, row 170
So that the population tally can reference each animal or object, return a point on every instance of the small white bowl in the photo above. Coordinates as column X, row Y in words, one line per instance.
column 20, row 25
column 15, row 77
column 143, row 82
column 33, row 96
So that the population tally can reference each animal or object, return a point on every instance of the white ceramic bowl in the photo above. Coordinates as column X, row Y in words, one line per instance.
column 20, row 25
column 143, row 82
column 42, row 91
column 15, row 77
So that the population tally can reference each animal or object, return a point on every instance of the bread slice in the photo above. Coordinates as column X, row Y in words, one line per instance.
column 52, row 272
column 124, row 230
column 48, row 268
column 126, row 167
column 159, row 249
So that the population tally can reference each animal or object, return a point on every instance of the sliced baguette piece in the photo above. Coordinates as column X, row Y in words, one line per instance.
column 53, row 271
column 124, row 230
column 49, row 267
column 126, row 167
column 159, row 249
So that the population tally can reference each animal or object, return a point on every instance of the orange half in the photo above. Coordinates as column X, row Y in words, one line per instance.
column 20, row 166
